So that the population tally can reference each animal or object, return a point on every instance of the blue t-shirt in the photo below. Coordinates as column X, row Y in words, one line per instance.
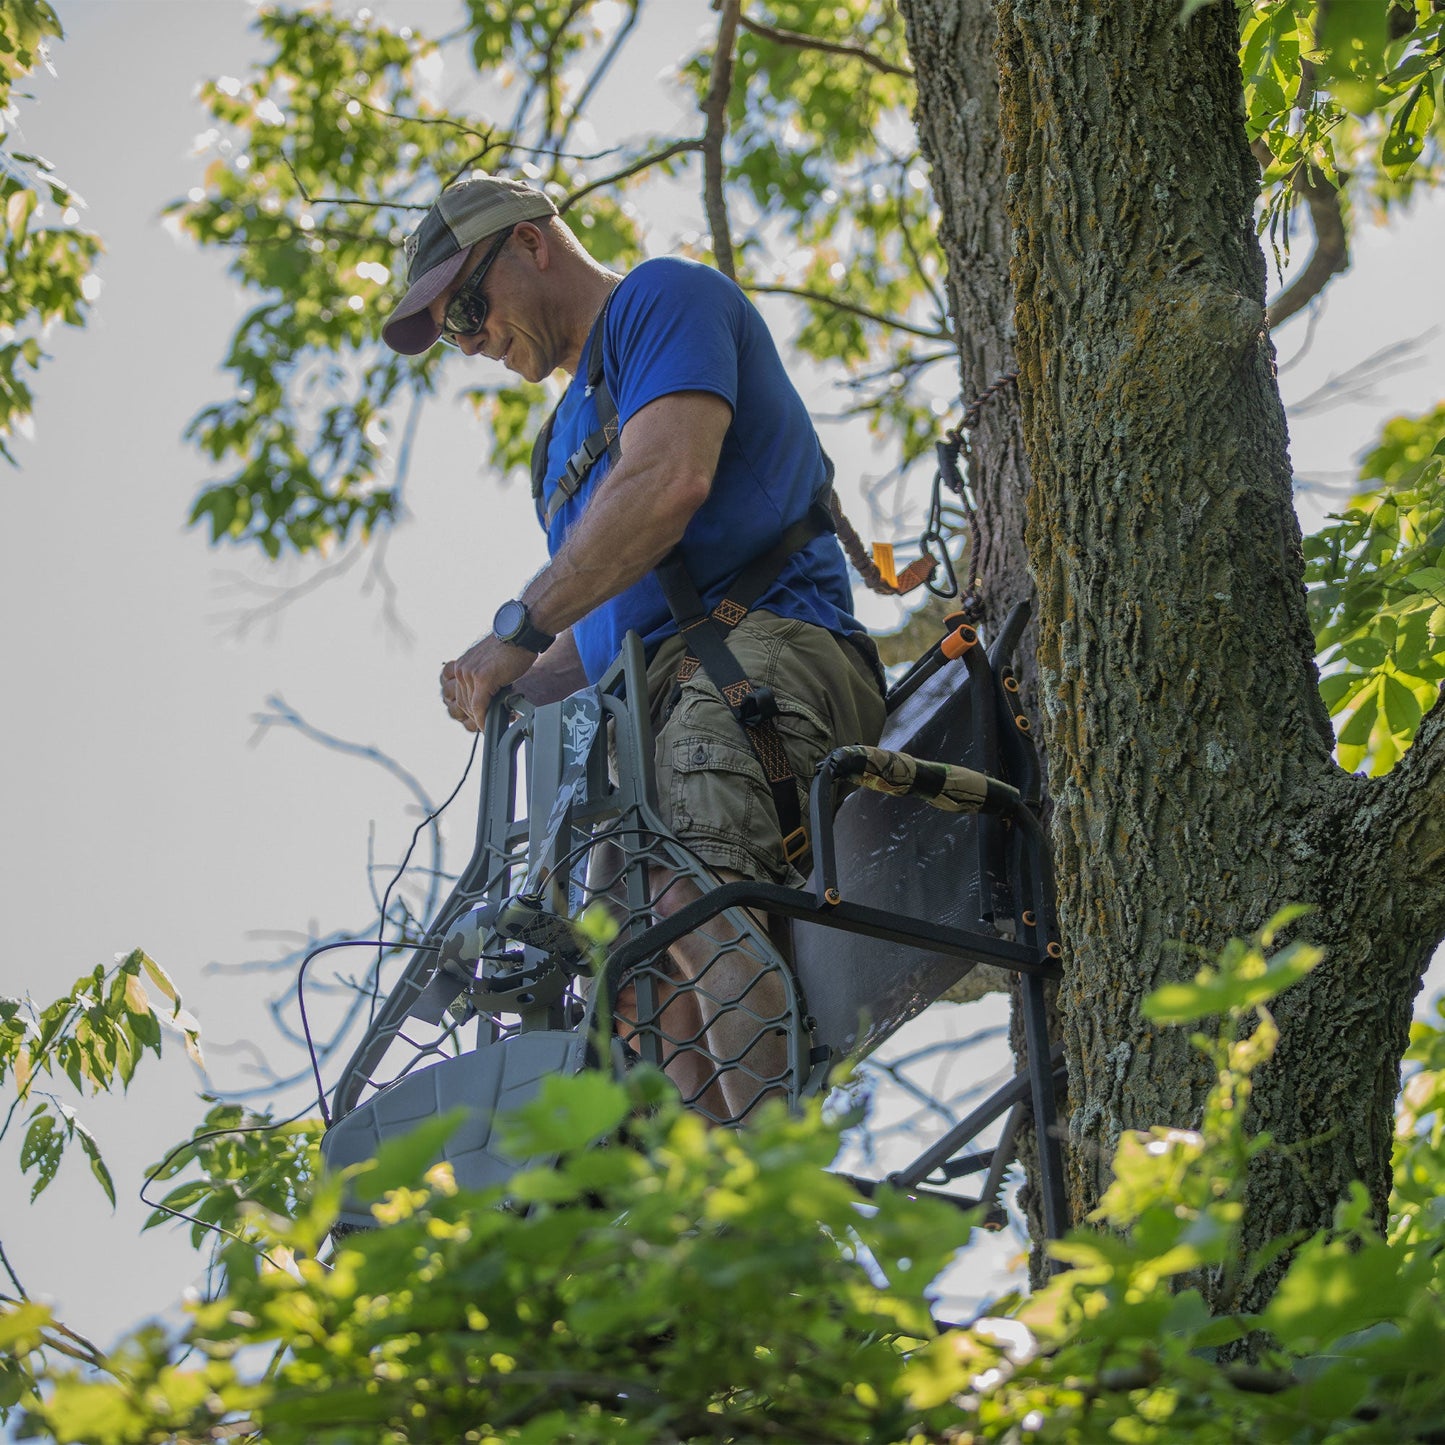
column 674, row 325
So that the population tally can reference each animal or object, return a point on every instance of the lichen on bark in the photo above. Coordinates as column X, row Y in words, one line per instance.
column 1190, row 757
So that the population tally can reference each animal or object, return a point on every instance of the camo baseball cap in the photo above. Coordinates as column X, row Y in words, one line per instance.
column 437, row 250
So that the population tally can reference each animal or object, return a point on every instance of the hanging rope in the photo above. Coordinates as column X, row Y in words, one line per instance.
column 934, row 553
column 972, row 413
column 912, row 576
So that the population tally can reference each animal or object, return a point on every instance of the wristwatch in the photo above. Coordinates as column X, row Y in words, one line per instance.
column 513, row 624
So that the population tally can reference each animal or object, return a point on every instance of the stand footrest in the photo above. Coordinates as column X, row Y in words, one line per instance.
column 994, row 1218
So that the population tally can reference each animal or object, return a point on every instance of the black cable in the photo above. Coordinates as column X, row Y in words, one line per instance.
column 379, row 942
column 301, row 1005
column 397, row 876
column 191, row 1143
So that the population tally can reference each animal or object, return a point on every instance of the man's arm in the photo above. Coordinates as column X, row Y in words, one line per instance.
column 670, row 452
column 556, row 674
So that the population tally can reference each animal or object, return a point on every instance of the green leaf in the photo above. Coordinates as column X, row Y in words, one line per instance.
column 1405, row 141
column 97, row 1164
column 1334, row 1288
column 565, row 1117
column 20, row 1325
column 402, row 1162
column 1215, row 992
column 1356, row 732
column 1353, row 38
column 1399, row 707
column 157, row 976
column 42, row 1149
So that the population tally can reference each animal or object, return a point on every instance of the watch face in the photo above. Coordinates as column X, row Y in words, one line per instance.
column 511, row 618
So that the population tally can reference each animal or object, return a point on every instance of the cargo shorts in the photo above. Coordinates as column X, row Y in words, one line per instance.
column 710, row 786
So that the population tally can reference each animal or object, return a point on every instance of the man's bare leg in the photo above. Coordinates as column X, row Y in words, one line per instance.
column 676, row 1017
column 733, row 999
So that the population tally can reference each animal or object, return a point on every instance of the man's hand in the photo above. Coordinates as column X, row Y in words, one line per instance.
column 471, row 682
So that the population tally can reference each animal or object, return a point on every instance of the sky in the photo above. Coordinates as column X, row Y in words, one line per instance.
column 142, row 805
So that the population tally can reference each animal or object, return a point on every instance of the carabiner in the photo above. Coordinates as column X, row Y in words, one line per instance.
column 931, row 544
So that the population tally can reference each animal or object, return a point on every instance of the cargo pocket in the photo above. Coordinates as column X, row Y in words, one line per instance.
column 713, row 790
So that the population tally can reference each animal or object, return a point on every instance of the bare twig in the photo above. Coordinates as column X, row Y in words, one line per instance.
column 10, row 1270
column 279, row 597
column 604, row 64
column 1311, row 326
column 1358, row 382
column 641, row 164
column 715, row 108
column 800, row 41
column 823, row 299
column 281, row 714
column 78, row 1347
column 940, row 305
column 549, row 70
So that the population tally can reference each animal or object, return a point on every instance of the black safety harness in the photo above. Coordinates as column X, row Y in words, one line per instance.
column 705, row 632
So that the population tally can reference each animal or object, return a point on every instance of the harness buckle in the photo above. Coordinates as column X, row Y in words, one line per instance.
column 796, row 847
column 756, row 706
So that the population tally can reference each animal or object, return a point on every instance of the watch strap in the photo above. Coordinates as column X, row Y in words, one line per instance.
column 513, row 625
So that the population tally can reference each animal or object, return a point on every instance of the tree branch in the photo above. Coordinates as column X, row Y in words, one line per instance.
column 940, row 305
column 14, row 1278
column 823, row 299
column 715, row 108
column 641, row 164
column 599, row 71
column 1331, row 253
column 800, row 41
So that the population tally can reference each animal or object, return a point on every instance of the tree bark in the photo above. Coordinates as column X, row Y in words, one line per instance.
column 952, row 45
column 1191, row 767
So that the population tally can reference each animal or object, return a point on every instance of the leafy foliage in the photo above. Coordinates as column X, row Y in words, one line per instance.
column 1376, row 575
column 1122, row 1346
column 623, row 1295
column 303, row 187
column 1347, row 93
column 45, row 269
column 94, row 1036
column 325, row 157
column 251, row 1166
column 665, row 1281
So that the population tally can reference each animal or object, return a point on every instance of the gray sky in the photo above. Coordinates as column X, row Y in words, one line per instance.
column 137, row 811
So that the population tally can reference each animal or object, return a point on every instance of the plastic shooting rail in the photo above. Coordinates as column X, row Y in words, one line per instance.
column 781, row 984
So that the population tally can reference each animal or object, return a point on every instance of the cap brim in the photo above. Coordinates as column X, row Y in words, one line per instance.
column 410, row 329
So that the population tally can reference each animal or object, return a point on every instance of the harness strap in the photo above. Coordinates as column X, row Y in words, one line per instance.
column 706, row 633
column 604, row 440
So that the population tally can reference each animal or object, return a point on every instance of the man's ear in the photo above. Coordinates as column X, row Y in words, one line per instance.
column 535, row 242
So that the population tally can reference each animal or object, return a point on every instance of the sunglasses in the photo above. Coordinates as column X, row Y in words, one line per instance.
column 467, row 311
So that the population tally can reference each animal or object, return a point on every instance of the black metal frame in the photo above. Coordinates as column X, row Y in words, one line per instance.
column 1013, row 868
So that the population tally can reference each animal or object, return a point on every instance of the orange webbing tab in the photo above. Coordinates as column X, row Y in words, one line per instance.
column 958, row 642
column 883, row 561
column 915, row 574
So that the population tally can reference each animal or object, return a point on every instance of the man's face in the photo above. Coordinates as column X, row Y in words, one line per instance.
column 501, row 284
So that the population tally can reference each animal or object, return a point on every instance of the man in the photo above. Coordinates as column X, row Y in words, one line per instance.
column 714, row 462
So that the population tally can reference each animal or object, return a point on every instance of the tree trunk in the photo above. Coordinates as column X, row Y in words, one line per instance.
column 1190, row 756
column 952, row 44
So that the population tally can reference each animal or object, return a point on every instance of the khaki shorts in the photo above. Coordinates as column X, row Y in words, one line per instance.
column 709, row 784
